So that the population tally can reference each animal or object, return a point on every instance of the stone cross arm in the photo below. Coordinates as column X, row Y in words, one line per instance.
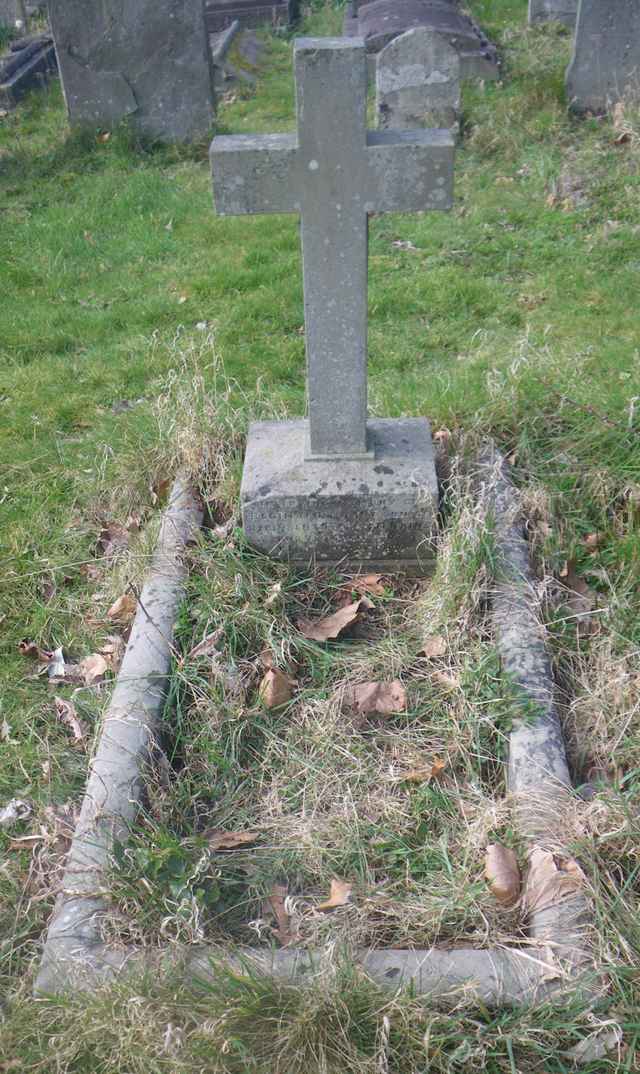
column 402, row 171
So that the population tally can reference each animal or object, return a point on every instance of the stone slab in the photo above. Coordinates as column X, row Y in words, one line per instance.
column 381, row 21
column 12, row 12
column 143, row 59
column 605, row 67
column 220, row 14
column 372, row 513
column 26, row 69
column 418, row 81
column 564, row 11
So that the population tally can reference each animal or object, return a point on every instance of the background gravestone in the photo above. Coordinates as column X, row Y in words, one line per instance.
column 250, row 13
column 11, row 11
column 547, row 10
column 147, row 60
column 606, row 55
column 418, row 82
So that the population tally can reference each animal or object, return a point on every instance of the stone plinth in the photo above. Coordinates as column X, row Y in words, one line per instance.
column 377, row 513
column 605, row 67
column 553, row 10
column 418, row 82
column 145, row 60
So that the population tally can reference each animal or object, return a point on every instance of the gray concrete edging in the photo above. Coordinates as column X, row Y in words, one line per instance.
column 555, row 965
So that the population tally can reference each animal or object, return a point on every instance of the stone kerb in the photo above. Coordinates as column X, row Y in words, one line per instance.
column 418, row 82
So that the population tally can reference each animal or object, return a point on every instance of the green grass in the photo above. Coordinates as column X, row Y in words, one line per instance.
column 515, row 315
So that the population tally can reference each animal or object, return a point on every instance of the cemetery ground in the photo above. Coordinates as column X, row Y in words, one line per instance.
column 138, row 335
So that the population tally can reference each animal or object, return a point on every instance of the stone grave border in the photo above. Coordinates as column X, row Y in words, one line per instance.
column 558, row 963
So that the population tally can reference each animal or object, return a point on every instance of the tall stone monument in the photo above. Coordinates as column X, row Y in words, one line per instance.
column 553, row 10
column 145, row 60
column 338, row 487
column 605, row 67
column 418, row 82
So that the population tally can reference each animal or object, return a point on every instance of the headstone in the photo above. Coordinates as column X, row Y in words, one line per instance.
column 12, row 13
column 418, row 82
column 249, row 13
column 605, row 67
column 147, row 60
column 553, row 10
column 383, row 20
column 338, row 487
column 28, row 65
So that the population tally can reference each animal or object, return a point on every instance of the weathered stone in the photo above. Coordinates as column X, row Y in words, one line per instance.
column 26, row 68
column 553, row 10
column 383, row 20
column 418, row 81
column 334, row 173
column 605, row 67
column 250, row 13
column 377, row 513
column 12, row 12
column 148, row 60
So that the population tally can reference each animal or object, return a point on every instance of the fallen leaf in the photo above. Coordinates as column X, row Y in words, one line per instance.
column 433, row 647
column 275, row 905
column 551, row 878
column 14, row 811
column 206, row 647
column 123, row 609
column 104, row 137
column 382, row 697
column 93, row 669
column 29, row 648
column 275, row 689
column 274, row 595
column 426, row 773
column 596, row 1045
column 333, row 625
column 593, row 541
column 57, row 669
column 340, row 895
column 221, row 840
column 66, row 711
column 580, row 601
column 112, row 649
column 450, row 682
column 113, row 538
column 502, row 873
column 368, row 583
column 442, row 437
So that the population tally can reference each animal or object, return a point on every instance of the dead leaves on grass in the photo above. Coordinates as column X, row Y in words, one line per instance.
column 425, row 773
column 275, row 907
column 502, row 874
column 383, row 698
column 276, row 689
column 332, row 626
column 221, row 840
column 340, row 895
column 434, row 647
column 123, row 609
column 551, row 879
column 67, row 713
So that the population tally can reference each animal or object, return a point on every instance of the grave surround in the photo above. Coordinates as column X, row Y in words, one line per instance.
column 337, row 488
column 605, row 67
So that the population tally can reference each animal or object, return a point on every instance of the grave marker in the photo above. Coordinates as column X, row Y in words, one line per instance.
column 559, row 10
column 145, row 59
column 418, row 82
column 338, row 486
column 605, row 67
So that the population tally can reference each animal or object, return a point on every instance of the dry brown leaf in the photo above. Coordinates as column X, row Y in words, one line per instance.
column 367, row 583
column 93, row 669
column 112, row 649
column 333, row 625
column 382, row 697
column 275, row 594
column 123, row 609
column 66, row 711
column 113, row 538
column 450, row 682
column 502, row 873
column 275, row 905
column 580, row 601
column 593, row 541
column 275, row 689
column 207, row 646
column 29, row 648
column 221, row 840
column 340, row 895
column 551, row 878
column 426, row 773
column 433, row 647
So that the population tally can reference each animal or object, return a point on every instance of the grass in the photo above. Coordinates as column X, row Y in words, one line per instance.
column 139, row 331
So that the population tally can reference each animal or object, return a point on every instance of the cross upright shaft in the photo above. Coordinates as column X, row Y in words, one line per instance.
column 334, row 173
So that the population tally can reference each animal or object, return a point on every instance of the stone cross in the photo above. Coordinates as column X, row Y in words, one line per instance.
column 334, row 173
